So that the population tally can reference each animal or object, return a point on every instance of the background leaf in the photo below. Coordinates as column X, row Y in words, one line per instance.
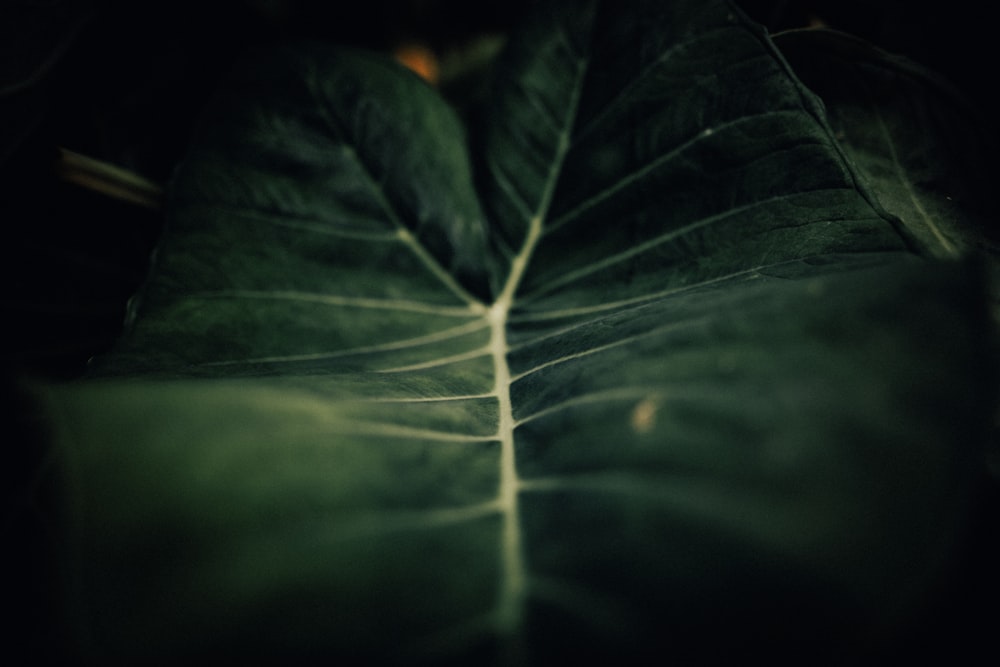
column 923, row 146
column 631, row 364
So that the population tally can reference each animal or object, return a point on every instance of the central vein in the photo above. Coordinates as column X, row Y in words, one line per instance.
column 513, row 586
column 511, row 599
column 513, row 581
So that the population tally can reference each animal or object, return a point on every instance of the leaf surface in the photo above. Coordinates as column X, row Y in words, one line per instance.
column 626, row 362
column 922, row 146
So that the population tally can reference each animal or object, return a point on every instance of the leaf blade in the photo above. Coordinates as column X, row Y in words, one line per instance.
column 685, row 386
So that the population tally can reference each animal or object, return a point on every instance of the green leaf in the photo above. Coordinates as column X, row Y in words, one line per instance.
column 626, row 364
column 924, row 148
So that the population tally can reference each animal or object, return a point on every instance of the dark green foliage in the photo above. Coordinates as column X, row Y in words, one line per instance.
column 632, row 359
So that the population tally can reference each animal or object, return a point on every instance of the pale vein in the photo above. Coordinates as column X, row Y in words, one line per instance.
column 404, row 233
column 622, row 257
column 599, row 397
column 408, row 343
column 405, row 305
column 514, row 583
column 947, row 247
column 641, row 172
column 439, row 361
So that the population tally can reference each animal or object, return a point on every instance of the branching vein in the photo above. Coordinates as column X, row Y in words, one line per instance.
column 672, row 235
column 418, row 341
column 947, row 247
column 345, row 301
column 513, row 585
column 666, row 158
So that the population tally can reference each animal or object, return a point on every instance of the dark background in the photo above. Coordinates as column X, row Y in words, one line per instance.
column 124, row 82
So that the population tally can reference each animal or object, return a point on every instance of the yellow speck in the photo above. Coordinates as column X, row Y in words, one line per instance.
column 815, row 288
column 644, row 415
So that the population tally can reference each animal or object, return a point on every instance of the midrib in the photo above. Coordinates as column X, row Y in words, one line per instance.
column 513, row 583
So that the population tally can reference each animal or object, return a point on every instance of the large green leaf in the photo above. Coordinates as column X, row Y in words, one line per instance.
column 627, row 363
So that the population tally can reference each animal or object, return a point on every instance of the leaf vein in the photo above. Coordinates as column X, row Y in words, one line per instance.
column 946, row 245
column 641, row 76
column 630, row 393
column 609, row 346
column 418, row 341
column 624, row 304
column 439, row 361
column 641, row 172
column 377, row 191
column 638, row 249
column 335, row 300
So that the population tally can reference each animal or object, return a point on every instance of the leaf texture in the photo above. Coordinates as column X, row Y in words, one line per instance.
column 922, row 146
column 628, row 364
